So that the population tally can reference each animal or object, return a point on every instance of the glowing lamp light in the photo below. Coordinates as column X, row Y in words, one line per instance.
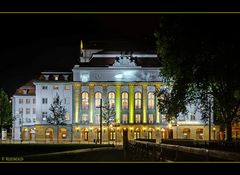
column 119, row 76
column 214, row 129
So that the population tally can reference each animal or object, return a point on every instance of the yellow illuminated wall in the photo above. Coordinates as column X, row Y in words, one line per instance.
column 157, row 110
column 91, row 90
column 76, row 102
column 144, row 100
column 131, row 104
column 118, row 103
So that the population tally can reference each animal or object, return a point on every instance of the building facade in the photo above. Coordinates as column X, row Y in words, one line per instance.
column 127, row 81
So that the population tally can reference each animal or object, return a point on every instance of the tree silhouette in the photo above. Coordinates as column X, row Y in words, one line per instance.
column 58, row 112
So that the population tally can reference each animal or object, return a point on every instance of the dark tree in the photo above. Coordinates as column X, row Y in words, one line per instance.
column 58, row 112
column 109, row 117
column 5, row 111
column 199, row 56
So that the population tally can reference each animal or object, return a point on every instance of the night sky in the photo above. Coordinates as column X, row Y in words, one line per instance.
column 32, row 43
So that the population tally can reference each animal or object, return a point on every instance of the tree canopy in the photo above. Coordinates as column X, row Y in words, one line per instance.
column 5, row 110
column 199, row 56
column 58, row 111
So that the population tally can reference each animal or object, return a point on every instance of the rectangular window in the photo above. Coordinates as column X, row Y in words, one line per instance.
column 193, row 116
column 20, row 110
column 163, row 116
column 124, row 118
column 44, row 87
column 97, row 118
column 34, row 110
column 66, row 100
column 138, row 118
column 84, row 118
column 44, row 116
column 27, row 101
column 20, row 101
column 44, row 101
column 55, row 87
column 27, row 110
column 150, row 118
column 67, row 87
column 67, row 116
column 34, row 101
column 34, row 120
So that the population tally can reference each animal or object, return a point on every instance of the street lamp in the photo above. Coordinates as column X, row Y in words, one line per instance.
column 100, row 120
column 214, row 133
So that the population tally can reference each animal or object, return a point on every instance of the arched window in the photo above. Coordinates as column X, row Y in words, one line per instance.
column 124, row 100
column 111, row 98
column 138, row 99
column 98, row 96
column 151, row 100
column 84, row 100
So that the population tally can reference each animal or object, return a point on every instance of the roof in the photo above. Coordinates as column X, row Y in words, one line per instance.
column 107, row 58
column 27, row 89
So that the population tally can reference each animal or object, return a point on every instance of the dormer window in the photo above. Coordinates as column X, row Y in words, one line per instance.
column 25, row 91
column 56, row 77
column 65, row 77
column 46, row 77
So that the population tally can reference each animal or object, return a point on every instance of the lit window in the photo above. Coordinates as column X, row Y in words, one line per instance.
column 85, row 118
column 150, row 118
column 136, row 134
column 27, row 101
column 55, row 87
column 138, row 98
column 34, row 110
column 138, row 118
column 20, row 101
column 34, row 101
column 151, row 100
column 112, row 135
column 111, row 98
column 124, row 100
column 84, row 100
column 44, row 101
column 67, row 116
column 67, row 87
column 44, row 116
column 56, row 77
column 44, row 87
column 98, row 97
column 27, row 110
column 124, row 118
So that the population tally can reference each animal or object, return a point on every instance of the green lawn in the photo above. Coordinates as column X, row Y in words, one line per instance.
column 18, row 150
column 92, row 156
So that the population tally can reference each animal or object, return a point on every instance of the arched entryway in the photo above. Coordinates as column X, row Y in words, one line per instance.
column 199, row 134
column 150, row 133
column 164, row 133
column 32, row 134
column 25, row 134
column 49, row 136
column 62, row 134
column 85, row 134
column 137, row 133
column 186, row 133
column 112, row 134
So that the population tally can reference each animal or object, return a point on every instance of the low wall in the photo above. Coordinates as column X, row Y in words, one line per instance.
column 147, row 151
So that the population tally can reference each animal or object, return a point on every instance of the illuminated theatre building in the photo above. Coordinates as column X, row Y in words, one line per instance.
column 127, row 80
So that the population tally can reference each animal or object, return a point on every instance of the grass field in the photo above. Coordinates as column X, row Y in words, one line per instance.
column 18, row 150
